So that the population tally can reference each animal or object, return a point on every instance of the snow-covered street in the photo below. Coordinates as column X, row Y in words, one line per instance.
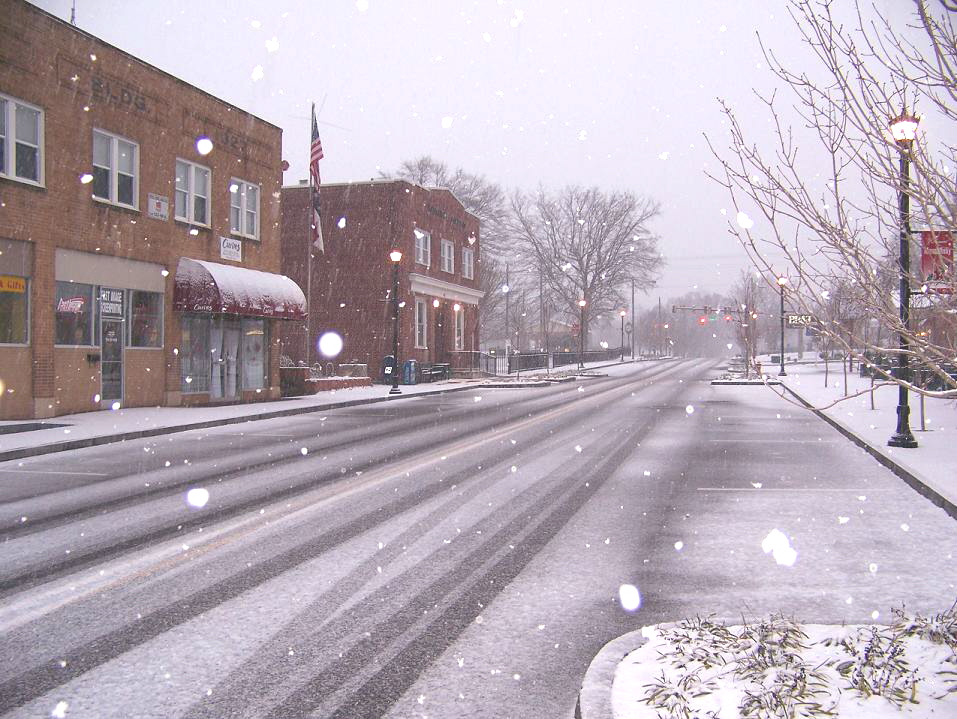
column 447, row 555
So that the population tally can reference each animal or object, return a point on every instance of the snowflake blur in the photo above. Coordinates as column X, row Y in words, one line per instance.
column 330, row 344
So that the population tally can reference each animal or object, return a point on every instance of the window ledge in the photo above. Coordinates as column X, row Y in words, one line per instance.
column 24, row 182
column 109, row 204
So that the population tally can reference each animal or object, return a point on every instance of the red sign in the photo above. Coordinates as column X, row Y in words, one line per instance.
column 937, row 260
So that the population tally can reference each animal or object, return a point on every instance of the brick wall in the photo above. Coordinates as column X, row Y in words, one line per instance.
column 352, row 279
column 82, row 83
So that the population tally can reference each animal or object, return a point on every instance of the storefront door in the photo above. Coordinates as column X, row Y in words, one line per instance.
column 111, row 361
column 111, row 346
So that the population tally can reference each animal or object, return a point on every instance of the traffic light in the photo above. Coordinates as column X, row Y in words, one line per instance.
column 703, row 320
column 727, row 318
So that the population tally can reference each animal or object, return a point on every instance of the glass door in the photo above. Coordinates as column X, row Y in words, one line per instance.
column 111, row 346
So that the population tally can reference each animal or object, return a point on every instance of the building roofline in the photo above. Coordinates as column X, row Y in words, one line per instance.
column 385, row 181
column 143, row 62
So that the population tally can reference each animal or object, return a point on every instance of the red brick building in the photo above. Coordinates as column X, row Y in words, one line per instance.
column 352, row 278
column 139, row 242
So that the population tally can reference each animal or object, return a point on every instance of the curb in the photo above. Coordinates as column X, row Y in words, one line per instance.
column 66, row 446
column 910, row 479
column 594, row 697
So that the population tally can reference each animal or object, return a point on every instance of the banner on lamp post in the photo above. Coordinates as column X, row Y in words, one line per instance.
column 937, row 260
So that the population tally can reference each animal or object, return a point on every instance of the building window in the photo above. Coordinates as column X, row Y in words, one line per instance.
column 192, row 193
column 223, row 355
column 448, row 256
column 21, row 141
column 421, row 324
column 194, row 357
column 74, row 313
column 115, row 165
column 13, row 309
column 423, row 248
column 253, row 354
column 460, row 329
column 468, row 263
column 244, row 209
column 145, row 319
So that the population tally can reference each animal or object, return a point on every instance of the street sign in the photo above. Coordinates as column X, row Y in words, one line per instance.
column 795, row 320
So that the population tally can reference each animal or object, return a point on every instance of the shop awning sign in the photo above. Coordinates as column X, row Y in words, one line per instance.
column 212, row 287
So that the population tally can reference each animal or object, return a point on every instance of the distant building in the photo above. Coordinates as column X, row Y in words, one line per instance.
column 134, row 269
column 352, row 279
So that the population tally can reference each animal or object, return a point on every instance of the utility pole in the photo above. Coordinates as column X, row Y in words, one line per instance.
column 634, row 320
column 659, row 332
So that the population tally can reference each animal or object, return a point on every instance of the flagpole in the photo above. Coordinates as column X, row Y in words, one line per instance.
column 309, row 241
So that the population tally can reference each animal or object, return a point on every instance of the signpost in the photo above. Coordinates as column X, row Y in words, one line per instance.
column 800, row 320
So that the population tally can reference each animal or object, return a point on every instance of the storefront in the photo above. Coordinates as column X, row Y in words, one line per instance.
column 228, row 317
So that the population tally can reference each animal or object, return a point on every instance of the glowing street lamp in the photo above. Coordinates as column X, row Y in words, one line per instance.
column 904, row 129
column 396, row 257
column 782, row 280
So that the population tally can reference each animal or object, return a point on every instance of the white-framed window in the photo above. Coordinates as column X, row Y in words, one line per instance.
column 423, row 248
column 244, row 208
column 21, row 141
column 468, row 263
column 460, row 329
column 115, row 169
column 447, row 250
column 421, row 323
column 192, row 193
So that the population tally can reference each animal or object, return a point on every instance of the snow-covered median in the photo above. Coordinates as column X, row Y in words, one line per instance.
column 702, row 669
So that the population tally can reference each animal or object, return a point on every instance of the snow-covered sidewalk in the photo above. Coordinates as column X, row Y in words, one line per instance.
column 872, row 417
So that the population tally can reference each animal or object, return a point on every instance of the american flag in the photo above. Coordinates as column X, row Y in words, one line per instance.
column 315, row 155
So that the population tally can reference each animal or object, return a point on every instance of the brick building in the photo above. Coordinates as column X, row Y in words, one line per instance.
column 352, row 279
column 139, row 232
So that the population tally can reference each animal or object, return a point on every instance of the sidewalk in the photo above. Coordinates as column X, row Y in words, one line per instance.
column 87, row 429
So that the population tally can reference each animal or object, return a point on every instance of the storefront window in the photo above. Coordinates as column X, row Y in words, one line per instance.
column 194, row 354
column 13, row 309
column 146, row 319
column 254, row 354
column 74, row 313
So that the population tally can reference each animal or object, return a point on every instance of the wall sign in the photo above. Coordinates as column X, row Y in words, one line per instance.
column 9, row 283
column 231, row 249
column 158, row 206
column 111, row 302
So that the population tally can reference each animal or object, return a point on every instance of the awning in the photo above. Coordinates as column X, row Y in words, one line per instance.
column 216, row 288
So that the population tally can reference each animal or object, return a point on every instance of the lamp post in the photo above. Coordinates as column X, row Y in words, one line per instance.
column 904, row 130
column 396, row 257
column 782, row 280
column 581, row 336
column 622, row 315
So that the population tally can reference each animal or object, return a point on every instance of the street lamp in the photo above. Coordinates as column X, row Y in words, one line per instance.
column 622, row 315
column 581, row 336
column 782, row 280
column 396, row 257
column 904, row 130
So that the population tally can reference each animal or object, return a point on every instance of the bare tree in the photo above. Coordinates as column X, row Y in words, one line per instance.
column 584, row 244
column 750, row 294
column 839, row 214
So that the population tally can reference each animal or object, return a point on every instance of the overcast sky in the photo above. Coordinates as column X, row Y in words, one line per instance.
column 616, row 94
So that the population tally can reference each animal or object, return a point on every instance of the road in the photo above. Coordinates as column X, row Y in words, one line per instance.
column 455, row 555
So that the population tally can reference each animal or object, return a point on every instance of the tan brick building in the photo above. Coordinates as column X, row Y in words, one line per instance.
column 137, row 265
column 352, row 279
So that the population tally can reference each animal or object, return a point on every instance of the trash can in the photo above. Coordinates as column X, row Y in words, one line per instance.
column 410, row 372
column 388, row 367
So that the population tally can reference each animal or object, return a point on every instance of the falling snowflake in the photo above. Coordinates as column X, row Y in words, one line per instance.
column 362, row 5
column 447, row 122
column 583, row 135
column 689, row 409
column 745, row 222
column 272, row 44
column 663, row 155
column 342, row 223
column 59, row 711
column 578, row 448
column 779, row 546
column 630, row 597
column 258, row 73
column 679, row 545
